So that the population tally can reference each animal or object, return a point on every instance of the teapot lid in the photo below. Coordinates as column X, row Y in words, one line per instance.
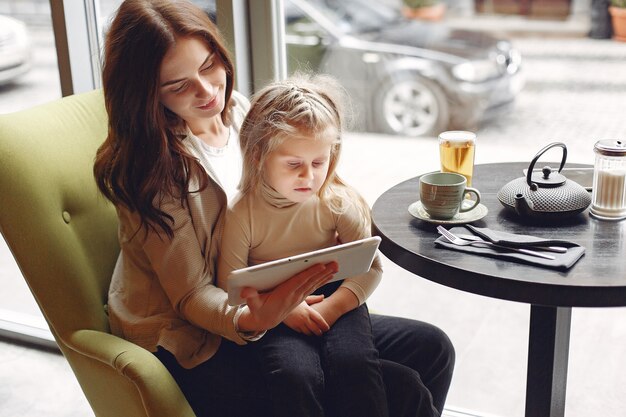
column 548, row 178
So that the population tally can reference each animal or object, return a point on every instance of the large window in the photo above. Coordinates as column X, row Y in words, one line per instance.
column 29, row 76
column 519, row 79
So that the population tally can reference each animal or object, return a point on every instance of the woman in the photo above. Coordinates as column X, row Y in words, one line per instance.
column 169, row 162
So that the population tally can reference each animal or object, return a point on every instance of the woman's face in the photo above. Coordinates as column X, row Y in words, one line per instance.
column 298, row 168
column 193, row 81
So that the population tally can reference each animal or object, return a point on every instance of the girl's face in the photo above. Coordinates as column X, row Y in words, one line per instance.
column 298, row 168
column 193, row 82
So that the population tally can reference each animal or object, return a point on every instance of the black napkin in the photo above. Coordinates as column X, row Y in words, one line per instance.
column 510, row 239
column 561, row 260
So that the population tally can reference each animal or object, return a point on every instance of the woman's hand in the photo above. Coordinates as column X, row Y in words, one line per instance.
column 304, row 319
column 267, row 310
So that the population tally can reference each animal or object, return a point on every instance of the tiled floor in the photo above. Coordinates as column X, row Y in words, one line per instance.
column 38, row 383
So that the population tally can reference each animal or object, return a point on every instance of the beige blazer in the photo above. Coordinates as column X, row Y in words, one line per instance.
column 163, row 291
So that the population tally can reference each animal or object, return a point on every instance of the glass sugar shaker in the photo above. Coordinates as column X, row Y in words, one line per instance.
column 608, row 196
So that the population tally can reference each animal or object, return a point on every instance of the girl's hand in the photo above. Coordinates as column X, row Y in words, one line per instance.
column 267, row 310
column 335, row 306
column 329, row 313
column 304, row 319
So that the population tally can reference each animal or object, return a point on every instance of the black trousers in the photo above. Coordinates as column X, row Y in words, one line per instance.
column 416, row 360
column 337, row 374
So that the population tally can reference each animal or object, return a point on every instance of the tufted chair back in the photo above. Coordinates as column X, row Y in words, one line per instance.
column 63, row 235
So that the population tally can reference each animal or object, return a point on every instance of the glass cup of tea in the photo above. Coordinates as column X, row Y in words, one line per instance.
column 456, row 151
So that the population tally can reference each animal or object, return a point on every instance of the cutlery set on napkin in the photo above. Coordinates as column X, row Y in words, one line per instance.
column 549, row 253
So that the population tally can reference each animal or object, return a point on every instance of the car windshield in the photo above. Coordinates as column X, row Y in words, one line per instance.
column 355, row 16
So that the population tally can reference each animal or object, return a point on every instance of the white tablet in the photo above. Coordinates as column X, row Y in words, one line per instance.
column 354, row 258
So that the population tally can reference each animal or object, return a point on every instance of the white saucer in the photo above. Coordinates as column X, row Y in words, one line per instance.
column 417, row 210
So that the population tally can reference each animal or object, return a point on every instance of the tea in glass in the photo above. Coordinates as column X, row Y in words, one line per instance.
column 456, row 150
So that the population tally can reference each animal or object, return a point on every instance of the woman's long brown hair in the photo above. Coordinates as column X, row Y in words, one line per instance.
column 143, row 159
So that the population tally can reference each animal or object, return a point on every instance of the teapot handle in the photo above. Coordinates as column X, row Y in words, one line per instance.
column 531, row 167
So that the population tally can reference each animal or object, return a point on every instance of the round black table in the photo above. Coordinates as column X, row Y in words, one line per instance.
column 598, row 279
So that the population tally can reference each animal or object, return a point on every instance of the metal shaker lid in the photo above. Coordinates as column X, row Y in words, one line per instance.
column 610, row 147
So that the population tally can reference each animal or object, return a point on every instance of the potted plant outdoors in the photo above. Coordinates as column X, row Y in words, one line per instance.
column 424, row 9
column 618, row 18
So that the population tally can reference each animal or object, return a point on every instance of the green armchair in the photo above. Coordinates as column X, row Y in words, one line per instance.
column 63, row 235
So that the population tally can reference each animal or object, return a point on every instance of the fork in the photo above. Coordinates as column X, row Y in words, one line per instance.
column 455, row 240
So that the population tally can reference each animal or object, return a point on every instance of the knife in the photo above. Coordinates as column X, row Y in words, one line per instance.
column 557, row 249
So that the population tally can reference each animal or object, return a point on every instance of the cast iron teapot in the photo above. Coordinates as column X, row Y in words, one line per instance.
column 546, row 194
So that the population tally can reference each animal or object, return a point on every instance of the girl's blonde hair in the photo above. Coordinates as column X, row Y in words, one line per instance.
column 302, row 105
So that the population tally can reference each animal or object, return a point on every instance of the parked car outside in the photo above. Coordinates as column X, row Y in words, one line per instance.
column 404, row 76
column 15, row 49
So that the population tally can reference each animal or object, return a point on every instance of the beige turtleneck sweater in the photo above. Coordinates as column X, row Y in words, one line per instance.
column 263, row 226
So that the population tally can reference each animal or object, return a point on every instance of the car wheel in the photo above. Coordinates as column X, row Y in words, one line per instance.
column 410, row 105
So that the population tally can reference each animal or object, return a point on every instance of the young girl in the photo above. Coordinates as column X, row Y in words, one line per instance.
column 292, row 201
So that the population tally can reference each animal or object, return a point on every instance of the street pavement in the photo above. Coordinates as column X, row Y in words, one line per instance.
column 575, row 93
